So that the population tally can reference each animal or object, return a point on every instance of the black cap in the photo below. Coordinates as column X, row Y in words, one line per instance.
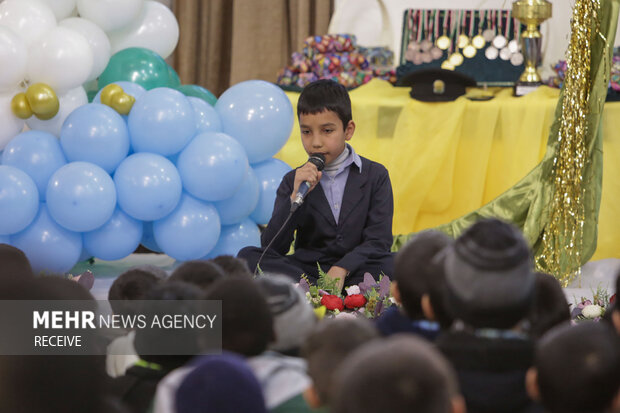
column 437, row 85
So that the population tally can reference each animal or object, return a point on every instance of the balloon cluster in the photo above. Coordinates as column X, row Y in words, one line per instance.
column 177, row 175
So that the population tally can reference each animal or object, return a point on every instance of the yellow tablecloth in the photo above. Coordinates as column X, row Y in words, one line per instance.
column 447, row 159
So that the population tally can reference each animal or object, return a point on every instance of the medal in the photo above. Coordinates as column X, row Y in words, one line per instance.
column 489, row 33
column 447, row 65
column 478, row 41
column 499, row 42
column 426, row 57
column 505, row 54
column 517, row 59
column 470, row 51
column 416, row 56
column 436, row 53
column 491, row 53
column 443, row 42
column 513, row 45
column 456, row 59
column 462, row 40
column 426, row 44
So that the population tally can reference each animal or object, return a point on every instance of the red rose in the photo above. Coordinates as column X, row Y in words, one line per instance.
column 612, row 299
column 355, row 301
column 332, row 302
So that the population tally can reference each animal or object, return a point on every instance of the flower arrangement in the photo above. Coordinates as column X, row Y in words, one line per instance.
column 369, row 298
column 593, row 309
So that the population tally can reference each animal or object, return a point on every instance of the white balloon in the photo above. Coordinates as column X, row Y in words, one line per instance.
column 14, row 56
column 61, row 8
column 10, row 125
column 156, row 29
column 62, row 58
column 97, row 40
column 110, row 14
column 69, row 101
column 28, row 18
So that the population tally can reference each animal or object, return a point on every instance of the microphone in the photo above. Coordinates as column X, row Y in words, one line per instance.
column 318, row 160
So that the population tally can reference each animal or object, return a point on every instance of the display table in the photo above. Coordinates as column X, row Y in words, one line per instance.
column 447, row 159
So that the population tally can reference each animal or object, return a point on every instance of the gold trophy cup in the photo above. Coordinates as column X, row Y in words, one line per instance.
column 531, row 13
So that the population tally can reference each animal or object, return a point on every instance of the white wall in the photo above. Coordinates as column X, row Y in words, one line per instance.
column 363, row 18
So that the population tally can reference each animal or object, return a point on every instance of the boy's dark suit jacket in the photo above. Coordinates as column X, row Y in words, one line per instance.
column 364, row 229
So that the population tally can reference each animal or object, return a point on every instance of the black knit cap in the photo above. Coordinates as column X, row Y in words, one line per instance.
column 489, row 275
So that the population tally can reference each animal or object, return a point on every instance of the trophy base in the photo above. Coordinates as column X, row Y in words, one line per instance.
column 523, row 88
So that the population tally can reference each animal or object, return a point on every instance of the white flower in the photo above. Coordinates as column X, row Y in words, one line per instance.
column 592, row 311
column 353, row 290
column 346, row 315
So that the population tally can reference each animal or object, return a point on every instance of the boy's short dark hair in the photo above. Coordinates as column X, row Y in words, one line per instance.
column 198, row 272
column 327, row 347
column 247, row 323
column 402, row 373
column 550, row 307
column 578, row 368
column 413, row 269
column 15, row 264
column 133, row 284
column 324, row 95
column 233, row 266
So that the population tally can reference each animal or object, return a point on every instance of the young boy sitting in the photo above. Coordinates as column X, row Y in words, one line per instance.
column 344, row 224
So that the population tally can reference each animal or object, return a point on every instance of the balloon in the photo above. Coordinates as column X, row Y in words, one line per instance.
column 95, row 133
column 14, row 54
column 198, row 92
column 173, row 78
column 19, row 200
column 137, row 65
column 81, row 196
column 38, row 154
column 155, row 28
column 235, row 237
column 110, row 14
column 116, row 239
column 4, row 239
column 148, row 239
column 48, row 246
column 212, row 166
column 62, row 58
column 207, row 119
column 29, row 19
column 148, row 186
column 97, row 40
column 236, row 208
column 10, row 125
column 259, row 115
column 269, row 174
column 162, row 121
column 130, row 88
column 190, row 231
column 20, row 106
column 43, row 101
column 108, row 92
column 61, row 8
column 67, row 102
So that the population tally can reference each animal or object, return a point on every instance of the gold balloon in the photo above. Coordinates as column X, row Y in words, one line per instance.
column 20, row 106
column 122, row 103
column 43, row 101
column 110, row 91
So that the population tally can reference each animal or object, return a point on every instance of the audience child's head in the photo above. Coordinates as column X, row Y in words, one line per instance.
column 293, row 316
column 398, row 374
column 233, row 266
column 220, row 384
column 158, row 272
column 147, row 340
column 577, row 369
column 247, row 323
column 131, row 285
column 15, row 264
column 489, row 276
column 550, row 307
column 414, row 271
column 326, row 348
column 198, row 272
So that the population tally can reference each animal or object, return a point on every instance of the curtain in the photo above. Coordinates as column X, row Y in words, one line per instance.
column 224, row 42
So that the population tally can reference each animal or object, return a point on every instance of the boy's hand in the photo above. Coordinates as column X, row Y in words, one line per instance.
column 308, row 173
column 338, row 272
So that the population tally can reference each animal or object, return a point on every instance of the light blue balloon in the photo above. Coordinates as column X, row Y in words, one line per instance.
column 4, row 239
column 130, row 88
column 212, row 166
column 97, row 134
column 19, row 200
column 38, row 154
column 116, row 239
column 148, row 186
column 85, row 255
column 81, row 196
column 49, row 247
column 190, row 231
column 207, row 119
column 161, row 121
column 235, row 237
column 269, row 174
column 259, row 115
column 148, row 239
column 236, row 208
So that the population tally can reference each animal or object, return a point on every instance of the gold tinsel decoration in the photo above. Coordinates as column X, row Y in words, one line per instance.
column 563, row 235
